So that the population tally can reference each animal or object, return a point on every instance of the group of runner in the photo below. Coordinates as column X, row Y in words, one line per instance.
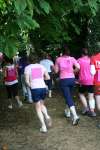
column 36, row 79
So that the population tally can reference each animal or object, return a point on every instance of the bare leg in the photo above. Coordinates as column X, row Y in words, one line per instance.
column 84, row 102
column 98, row 102
column 10, row 104
column 45, row 113
column 40, row 116
column 18, row 101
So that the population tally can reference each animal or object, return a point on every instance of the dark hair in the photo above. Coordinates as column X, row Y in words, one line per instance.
column 84, row 51
column 8, row 60
column 65, row 50
column 33, row 59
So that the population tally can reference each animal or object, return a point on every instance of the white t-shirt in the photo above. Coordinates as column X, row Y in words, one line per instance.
column 47, row 64
column 36, row 75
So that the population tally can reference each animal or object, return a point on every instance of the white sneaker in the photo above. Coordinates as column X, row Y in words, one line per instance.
column 10, row 106
column 43, row 129
column 67, row 113
column 49, row 122
column 75, row 121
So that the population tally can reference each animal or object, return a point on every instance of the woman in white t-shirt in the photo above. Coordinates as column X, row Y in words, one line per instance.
column 34, row 76
column 49, row 65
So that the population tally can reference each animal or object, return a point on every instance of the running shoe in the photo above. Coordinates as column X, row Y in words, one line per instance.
column 10, row 106
column 43, row 129
column 67, row 113
column 91, row 114
column 49, row 122
column 75, row 121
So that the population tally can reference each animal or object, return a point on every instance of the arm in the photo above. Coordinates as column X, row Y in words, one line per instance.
column 56, row 67
column 27, row 80
column 46, row 75
column 77, row 66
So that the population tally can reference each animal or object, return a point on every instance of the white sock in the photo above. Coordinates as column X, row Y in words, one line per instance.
column 73, row 111
column 44, row 111
column 98, row 101
column 50, row 93
column 67, row 110
column 91, row 101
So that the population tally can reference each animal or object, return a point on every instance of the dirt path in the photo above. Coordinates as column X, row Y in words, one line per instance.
column 19, row 129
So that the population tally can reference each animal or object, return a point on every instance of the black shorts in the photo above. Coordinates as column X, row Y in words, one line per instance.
column 12, row 90
column 86, row 88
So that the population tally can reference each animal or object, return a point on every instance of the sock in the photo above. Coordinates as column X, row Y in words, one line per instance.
column 91, row 101
column 50, row 93
column 92, row 104
column 73, row 111
column 67, row 110
column 98, row 101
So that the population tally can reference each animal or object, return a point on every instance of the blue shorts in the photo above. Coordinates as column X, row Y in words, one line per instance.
column 38, row 94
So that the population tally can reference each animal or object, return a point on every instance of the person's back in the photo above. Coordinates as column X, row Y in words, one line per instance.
column 10, row 74
column 85, row 77
column 86, row 84
column 66, row 64
column 36, row 75
column 47, row 64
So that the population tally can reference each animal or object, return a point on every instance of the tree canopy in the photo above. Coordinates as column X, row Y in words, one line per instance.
column 43, row 22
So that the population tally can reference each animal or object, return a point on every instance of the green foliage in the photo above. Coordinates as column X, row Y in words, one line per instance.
column 45, row 20
column 94, row 33
column 45, row 6
column 20, row 6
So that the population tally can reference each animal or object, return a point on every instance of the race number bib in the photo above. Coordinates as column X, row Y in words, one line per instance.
column 36, row 73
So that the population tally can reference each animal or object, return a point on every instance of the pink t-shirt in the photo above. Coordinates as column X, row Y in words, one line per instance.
column 65, row 66
column 36, row 75
column 85, row 77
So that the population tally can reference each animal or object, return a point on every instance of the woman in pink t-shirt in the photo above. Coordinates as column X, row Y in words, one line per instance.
column 64, row 66
column 86, row 84
column 34, row 76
